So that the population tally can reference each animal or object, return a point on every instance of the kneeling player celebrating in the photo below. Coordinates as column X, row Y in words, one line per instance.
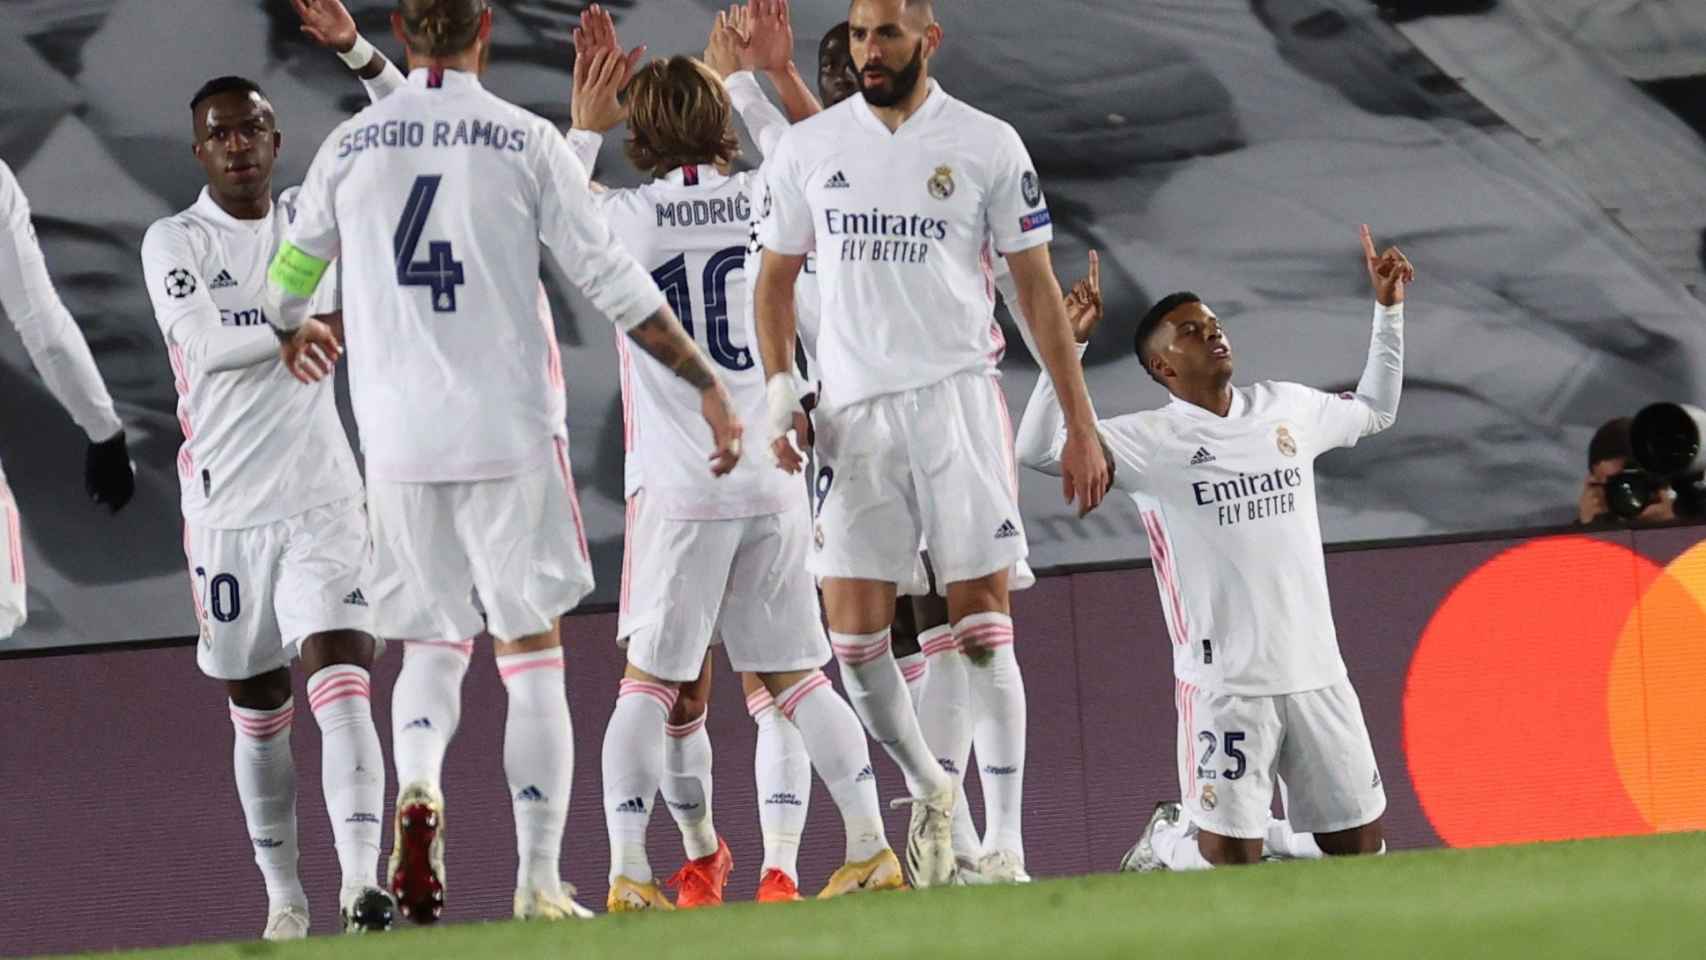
column 1224, row 472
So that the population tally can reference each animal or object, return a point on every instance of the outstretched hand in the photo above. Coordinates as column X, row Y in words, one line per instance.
column 327, row 23
column 1389, row 271
column 596, row 103
column 597, row 31
column 769, row 36
column 1084, row 302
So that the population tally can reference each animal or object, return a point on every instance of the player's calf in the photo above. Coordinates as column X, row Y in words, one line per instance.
column 633, row 762
column 1366, row 839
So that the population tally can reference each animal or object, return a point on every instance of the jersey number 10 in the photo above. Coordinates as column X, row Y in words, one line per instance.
column 440, row 272
column 677, row 288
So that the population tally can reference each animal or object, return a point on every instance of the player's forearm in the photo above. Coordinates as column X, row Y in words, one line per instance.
column 776, row 321
column 380, row 78
column 662, row 337
column 1052, row 338
column 230, row 348
column 1042, row 428
column 797, row 98
column 764, row 123
column 1383, row 375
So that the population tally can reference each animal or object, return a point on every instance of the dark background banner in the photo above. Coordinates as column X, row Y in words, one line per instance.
column 1551, row 201
column 1515, row 689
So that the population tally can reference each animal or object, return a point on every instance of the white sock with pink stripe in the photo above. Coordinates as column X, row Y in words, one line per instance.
column 539, row 762
column 945, row 716
column 998, row 691
column 878, row 694
column 266, row 785
column 838, row 750
column 426, row 707
column 633, row 770
column 915, row 670
column 352, row 768
column 687, row 785
column 783, row 772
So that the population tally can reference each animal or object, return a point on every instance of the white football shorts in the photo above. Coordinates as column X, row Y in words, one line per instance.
column 1233, row 751
column 934, row 465
column 517, row 541
column 689, row 583
column 260, row 591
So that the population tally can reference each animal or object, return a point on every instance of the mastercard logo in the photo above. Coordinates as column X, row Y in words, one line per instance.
column 1560, row 692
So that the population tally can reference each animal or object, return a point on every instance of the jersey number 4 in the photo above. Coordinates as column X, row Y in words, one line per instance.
column 677, row 288
column 440, row 272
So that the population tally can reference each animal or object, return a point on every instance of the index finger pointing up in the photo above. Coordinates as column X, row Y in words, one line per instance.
column 1367, row 244
column 1095, row 271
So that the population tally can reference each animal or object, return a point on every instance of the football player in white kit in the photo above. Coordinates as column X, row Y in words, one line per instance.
column 713, row 557
column 1224, row 480
column 62, row 357
column 437, row 200
column 899, row 192
column 275, row 529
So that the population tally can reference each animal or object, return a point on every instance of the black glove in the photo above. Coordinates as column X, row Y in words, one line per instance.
column 107, row 474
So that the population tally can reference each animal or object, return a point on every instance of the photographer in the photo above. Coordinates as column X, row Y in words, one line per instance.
column 1609, row 453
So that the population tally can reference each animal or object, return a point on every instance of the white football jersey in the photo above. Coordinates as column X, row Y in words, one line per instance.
column 1229, row 507
column 438, row 200
column 690, row 229
column 901, row 222
column 807, row 304
column 259, row 446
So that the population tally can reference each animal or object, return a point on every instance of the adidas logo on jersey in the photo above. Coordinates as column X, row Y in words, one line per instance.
column 530, row 794
column 1201, row 457
column 631, row 805
column 837, row 182
column 355, row 599
column 1006, row 530
column 222, row 281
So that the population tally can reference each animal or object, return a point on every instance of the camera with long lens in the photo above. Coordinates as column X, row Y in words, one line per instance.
column 1666, row 441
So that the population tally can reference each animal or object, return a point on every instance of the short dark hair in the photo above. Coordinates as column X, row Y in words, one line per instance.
column 1611, row 441
column 219, row 85
column 839, row 32
column 441, row 28
column 1152, row 319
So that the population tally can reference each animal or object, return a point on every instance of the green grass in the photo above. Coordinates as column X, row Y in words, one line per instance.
column 1642, row 898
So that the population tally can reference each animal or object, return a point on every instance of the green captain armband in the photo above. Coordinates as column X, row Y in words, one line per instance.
column 296, row 272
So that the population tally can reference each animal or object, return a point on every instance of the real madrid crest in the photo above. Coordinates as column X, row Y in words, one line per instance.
column 1209, row 800
column 1283, row 440
column 941, row 183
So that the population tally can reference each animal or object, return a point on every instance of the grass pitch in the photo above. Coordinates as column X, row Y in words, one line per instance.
column 1629, row 898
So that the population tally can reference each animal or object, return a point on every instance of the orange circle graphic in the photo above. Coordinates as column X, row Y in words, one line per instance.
column 1506, row 704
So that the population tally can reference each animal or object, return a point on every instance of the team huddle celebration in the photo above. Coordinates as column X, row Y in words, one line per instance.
column 819, row 463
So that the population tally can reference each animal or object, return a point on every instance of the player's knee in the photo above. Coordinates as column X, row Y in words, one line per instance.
column 268, row 691
column 690, row 705
column 1358, row 841
column 334, row 647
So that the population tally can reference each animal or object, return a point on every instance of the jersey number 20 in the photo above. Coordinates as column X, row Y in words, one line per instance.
column 677, row 288
column 440, row 272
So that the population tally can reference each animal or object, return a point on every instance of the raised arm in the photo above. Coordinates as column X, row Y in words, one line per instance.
column 769, row 49
column 1382, row 379
column 329, row 24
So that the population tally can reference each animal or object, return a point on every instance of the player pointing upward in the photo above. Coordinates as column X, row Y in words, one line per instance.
column 899, row 192
column 1224, row 480
column 439, row 199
